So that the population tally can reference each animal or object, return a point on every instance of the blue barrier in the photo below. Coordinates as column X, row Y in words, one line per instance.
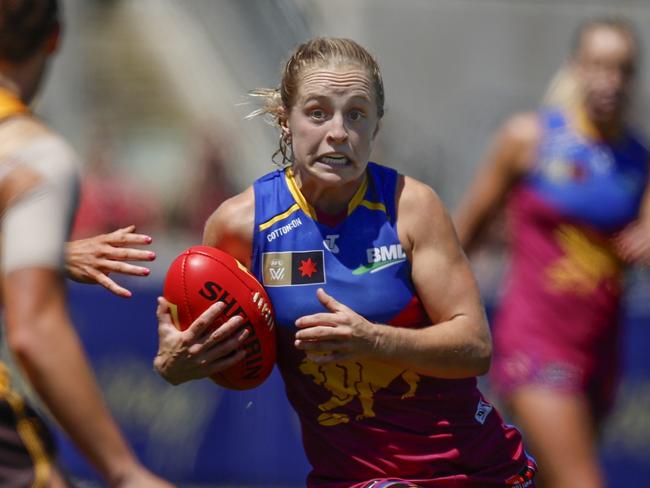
column 199, row 433
column 625, row 449
column 192, row 433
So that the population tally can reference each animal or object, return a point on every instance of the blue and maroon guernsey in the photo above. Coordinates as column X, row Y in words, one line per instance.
column 596, row 184
column 364, row 420
column 558, row 322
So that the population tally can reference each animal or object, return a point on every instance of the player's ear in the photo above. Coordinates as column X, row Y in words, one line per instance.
column 54, row 39
column 376, row 131
column 283, row 120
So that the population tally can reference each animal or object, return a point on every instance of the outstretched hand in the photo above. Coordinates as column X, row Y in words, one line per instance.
column 198, row 351
column 92, row 260
column 339, row 334
column 633, row 243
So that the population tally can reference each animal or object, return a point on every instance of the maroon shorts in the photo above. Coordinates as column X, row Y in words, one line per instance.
column 386, row 483
column 596, row 380
column 525, row 478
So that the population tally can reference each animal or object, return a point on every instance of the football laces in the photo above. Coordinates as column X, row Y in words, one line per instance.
column 264, row 309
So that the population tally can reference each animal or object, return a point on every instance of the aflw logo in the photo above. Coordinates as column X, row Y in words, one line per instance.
column 289, row 268
column 381, row 257
column 276, row 273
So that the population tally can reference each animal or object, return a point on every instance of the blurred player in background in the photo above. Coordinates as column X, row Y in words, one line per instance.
column 575, row 178
column 381, row 330
column 38, row 189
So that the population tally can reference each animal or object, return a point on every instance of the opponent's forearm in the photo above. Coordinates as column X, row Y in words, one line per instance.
column 458, row 348
column 50, row 353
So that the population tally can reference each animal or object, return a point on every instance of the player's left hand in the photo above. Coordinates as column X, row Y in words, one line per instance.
column 92, row 260
column 337, row 335
column 198, row 351
column 633, row 243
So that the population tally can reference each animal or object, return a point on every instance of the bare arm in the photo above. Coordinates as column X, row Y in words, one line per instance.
column 456, row 345
column 37, row 207
column 45, row 344
column 633, row 242
column 230, row 227
column 508, row 159
column 197, row 353
column 92, row 260
column 459, row 343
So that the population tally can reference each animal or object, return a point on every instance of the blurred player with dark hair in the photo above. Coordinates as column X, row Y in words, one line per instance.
column 38, row 190
column 575, row 177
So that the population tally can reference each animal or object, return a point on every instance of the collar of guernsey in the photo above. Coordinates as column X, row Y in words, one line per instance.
column 359, row 261
column 10, row 104
column 302, row 204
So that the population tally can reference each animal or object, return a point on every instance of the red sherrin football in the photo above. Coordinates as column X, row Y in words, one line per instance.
column 202, row 275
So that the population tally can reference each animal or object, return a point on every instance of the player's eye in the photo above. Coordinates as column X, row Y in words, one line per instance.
column 317, row 114
column 355, row 115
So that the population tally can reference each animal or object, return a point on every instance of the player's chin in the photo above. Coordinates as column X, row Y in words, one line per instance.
column 338, row 174
column 607, row 109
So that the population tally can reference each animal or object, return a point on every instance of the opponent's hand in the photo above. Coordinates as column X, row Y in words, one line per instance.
column 337, row 335
column 92, row 260
column 633, row 243
column 196, row 352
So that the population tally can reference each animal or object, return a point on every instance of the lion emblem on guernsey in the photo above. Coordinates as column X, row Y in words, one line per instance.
column 585, row 264
column 351, row 380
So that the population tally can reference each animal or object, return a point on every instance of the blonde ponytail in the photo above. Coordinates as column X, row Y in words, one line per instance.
column 563, row 91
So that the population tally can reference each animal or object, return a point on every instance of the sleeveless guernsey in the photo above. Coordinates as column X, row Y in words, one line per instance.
column 558, row 321
column 365, row 420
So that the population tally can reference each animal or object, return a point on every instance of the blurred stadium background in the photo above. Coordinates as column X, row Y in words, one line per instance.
column 152, row 94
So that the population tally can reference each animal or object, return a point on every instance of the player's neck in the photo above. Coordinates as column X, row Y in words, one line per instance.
column 331, row 220
column 24, row 78
column 10, row 104
column 598, row 130
column 327, row 199
column 9, row 86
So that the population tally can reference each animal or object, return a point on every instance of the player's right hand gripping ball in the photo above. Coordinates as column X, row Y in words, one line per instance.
column 201, row 276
